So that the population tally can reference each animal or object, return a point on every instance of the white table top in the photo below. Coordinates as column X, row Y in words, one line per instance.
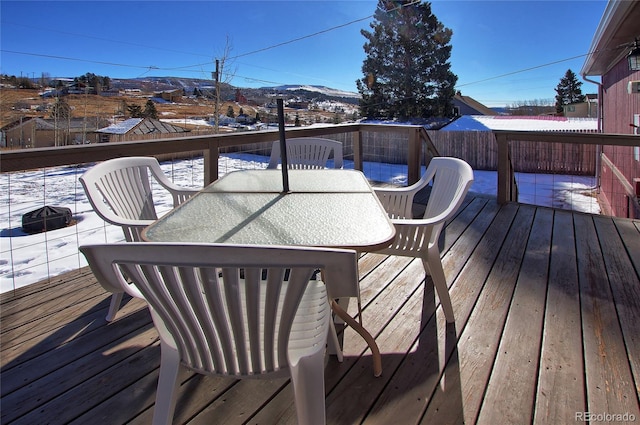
column 310, row 181
column 333, row 208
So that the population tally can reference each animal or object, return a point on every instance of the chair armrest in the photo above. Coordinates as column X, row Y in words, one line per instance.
column 394, row 191
column 417, row 221
column 119, row 221
column 181, row 194
column 397, row 201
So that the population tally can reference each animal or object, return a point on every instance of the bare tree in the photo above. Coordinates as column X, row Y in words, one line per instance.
column 44, row 79
column 532, row 107
column 222, row 76
column 61, row 112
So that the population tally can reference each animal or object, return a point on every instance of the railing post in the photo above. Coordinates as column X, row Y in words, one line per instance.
column 431, row 148
column 357, row 150
column 414, row 156
column 210, row 157
column 504, row 170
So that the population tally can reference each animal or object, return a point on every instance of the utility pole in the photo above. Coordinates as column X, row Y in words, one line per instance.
column 84, row 123
column 216, row 77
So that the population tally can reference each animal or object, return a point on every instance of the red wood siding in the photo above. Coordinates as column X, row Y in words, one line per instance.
column 618, row 105
column 619, row 108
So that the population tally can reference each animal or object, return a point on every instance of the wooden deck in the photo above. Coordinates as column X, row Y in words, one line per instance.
column 547, row 306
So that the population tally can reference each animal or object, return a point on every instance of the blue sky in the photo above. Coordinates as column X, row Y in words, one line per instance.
column 504, row 52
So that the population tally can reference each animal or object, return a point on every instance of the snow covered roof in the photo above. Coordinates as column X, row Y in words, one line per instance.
column 121, row 127
column 521, row 123
column 142, row 126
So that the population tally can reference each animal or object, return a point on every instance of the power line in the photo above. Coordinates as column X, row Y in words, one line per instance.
column 304, row 37
column 78, row 60
column 523, row 70
column 300, row 38
column 104, row 39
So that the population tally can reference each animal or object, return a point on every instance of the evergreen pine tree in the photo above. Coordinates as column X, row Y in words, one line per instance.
column 135, row 111
column 230, row 112
column 150, row 110
column 407, row 73
column 568, row 91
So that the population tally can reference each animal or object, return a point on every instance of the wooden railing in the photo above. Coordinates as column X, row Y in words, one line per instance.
column 419, row 144
column 508, row 141
column 211, row 145
column 419, row 148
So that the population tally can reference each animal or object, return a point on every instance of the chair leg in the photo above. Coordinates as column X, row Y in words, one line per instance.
column 434, row 266
column 333, row 342
column 307, row 378
column 167, row 391
column 116, row 299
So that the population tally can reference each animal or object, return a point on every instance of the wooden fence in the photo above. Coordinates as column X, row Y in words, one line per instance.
column 480, row 150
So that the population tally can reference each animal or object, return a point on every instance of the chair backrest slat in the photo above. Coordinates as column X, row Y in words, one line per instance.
column 128, row 193
column 308, row 153
column 121, row 192
column 223, row 316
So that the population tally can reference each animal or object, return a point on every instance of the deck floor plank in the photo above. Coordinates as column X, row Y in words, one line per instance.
column 467, row 291
column 625, row 287
column 514, row 374
column 419, row 373
column 394, row 339
column 481, row 337
column 29, row 371
column 608, row 375
column 546, row 304
column 630, row 234
column 561, row 360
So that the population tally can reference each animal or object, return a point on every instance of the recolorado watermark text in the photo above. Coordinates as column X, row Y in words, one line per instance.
column 605, row 417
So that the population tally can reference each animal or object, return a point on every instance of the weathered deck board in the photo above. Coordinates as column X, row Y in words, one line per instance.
column 546, row 304
column 561, row 363
column 609, row 379
column 514, row 373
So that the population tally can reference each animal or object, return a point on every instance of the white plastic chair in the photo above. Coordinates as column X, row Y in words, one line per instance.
column 120, row 192
column 229, row 310
column 452, row 179
column 307, row 153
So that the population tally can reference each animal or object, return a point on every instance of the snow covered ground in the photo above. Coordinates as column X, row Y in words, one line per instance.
column 522, row 123
column 29, row 258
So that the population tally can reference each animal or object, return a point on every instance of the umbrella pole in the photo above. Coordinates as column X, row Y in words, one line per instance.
column 283, row 147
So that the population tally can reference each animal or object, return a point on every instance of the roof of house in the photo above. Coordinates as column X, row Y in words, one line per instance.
column 474, row 104
column 142, row 126
column 612, row 40
column 122, row 127
column 50, row 124
column 521, row 123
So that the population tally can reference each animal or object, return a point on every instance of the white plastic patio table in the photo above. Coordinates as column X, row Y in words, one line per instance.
column 324, row 208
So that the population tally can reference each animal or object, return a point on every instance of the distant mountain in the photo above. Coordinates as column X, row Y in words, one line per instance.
column 327, row 91
column 189, row 84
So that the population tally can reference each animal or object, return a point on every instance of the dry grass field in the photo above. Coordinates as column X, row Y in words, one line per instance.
column 23, row 103
column 17, row 103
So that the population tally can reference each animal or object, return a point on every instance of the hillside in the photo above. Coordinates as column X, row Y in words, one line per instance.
column 321, row 104
column 17, row 103
column 308, row 92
